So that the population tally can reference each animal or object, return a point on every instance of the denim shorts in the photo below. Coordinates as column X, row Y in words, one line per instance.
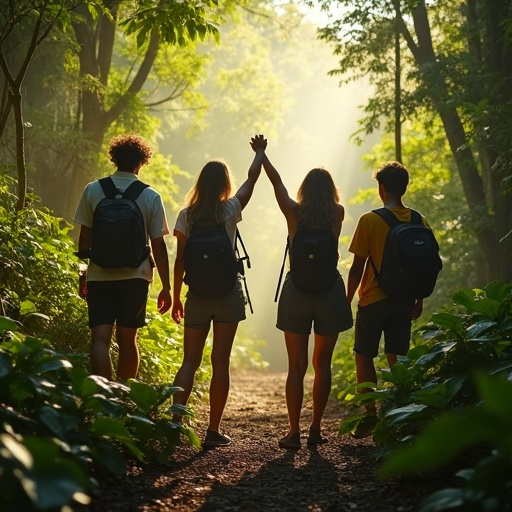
column 328, row 312
column 201, row 311
column 117, row 302
column 393, row 318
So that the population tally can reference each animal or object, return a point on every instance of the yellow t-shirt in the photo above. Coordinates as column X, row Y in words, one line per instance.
column 368, row 240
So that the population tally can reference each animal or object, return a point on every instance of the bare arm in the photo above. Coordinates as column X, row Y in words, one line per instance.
column 244, row 193
column 84, row 239
column 159, row 250
column 285, row 202
column 179, row 272
column 354, row 276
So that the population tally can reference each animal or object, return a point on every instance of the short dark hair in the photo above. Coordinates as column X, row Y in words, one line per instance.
column 128, row 151
column 394, row 177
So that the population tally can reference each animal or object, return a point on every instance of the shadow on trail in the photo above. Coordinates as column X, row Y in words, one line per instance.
column 294, row 481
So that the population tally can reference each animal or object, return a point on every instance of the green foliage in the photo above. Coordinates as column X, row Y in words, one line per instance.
column 449, row 398
column 58, row 423
column 38, row 273
column 178, row 22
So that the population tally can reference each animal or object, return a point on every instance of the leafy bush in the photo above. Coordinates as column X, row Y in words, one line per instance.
column 458, row 371
column 487, row 428
column 58, row 424
column 38, row 274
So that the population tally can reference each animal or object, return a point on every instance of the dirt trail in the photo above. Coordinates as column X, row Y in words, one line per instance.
column 253, row 474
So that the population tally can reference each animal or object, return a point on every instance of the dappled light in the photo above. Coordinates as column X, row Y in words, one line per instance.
column 111, row 400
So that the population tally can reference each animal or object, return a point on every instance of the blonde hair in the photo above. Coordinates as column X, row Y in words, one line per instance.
column 318, row 199
column 206, row 198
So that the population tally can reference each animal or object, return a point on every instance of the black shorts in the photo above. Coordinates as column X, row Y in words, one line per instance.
column 117, row 302
column 393, row 318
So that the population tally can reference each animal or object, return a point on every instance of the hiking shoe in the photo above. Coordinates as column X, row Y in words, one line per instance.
column 290, row 441
column 214, row 439
column 365, row 427
column 315, row 437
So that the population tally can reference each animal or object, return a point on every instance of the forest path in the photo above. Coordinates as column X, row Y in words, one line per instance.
column 254, row 474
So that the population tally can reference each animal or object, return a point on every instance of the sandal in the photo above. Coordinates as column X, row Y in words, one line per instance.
column 214, row 439
column 315, row 437
column 290, row 441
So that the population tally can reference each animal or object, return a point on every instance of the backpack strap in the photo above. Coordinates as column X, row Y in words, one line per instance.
column 287, row 248
column 392, row 221
column 241, row 266
column 108, row 186
column 132, row 192
column 388, row 216
column 238, row 238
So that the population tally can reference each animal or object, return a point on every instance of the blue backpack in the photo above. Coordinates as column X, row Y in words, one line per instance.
column 118, row 237
column 411, row 261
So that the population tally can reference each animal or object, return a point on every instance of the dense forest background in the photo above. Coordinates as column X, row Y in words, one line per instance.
column 328, row 82
column 339, row 83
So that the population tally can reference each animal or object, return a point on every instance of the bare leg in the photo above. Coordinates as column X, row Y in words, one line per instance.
column 297, row 348
column 223, row 336
column 193, row 346
column 101, row 338
column 322, row 360
column 365, row 372
column 128, row 361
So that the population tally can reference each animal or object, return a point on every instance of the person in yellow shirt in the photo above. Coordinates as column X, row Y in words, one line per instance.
column 377, row 314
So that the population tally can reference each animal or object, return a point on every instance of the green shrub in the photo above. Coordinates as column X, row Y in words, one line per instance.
column 38, row 273
column 58, row 424
column 448, row 396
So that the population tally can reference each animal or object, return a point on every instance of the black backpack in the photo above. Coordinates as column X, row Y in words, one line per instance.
column 410, row 262
column 212, row 266
column 313, row 260
column 118, row 237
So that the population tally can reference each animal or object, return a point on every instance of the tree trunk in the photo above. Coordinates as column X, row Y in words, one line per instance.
column 20, row 149
column 472, row 183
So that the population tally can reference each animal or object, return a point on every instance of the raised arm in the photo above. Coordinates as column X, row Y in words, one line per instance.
column 244, row 193
column 285, row 202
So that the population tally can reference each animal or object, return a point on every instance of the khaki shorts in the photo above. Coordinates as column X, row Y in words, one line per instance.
column 393, row 318
column 327, row 312
column 201, row 311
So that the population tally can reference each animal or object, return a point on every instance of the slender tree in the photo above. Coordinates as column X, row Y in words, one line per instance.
column 463, row 75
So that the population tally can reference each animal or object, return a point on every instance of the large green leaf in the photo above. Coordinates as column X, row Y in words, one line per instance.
column 54, row 478
column 449, row 321
column 444, row 439
column 6, row 324
column 57, row 421
column 496, row 393
column 406, row 413
column 146, row 397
